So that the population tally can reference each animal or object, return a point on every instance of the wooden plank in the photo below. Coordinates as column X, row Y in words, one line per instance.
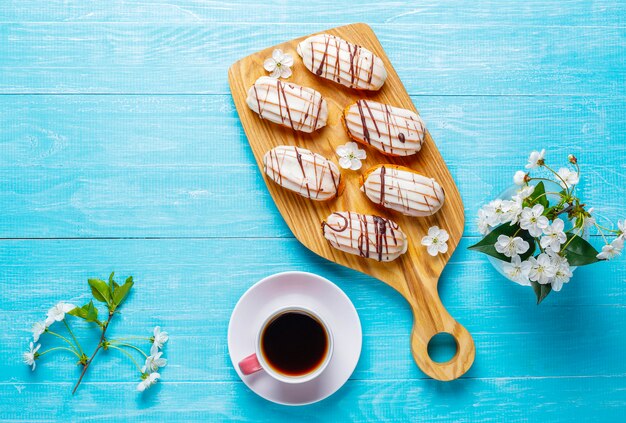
column 430, row 59
column 485, row 12
column 164, row 131
column 198, row 202
column 202, row 281
column 466, row 400
column 468, row 281
column 198, row 352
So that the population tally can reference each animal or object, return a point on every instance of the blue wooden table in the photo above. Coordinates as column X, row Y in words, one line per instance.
column 120, row 149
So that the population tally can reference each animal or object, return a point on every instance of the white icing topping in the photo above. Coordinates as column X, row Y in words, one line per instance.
column 302, row 171
column 365, row 235
column 341, row 61
column 288, row 104
column 407, row 192
column 392, row 130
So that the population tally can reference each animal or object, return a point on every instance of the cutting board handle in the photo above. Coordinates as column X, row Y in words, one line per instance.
column 431, row 318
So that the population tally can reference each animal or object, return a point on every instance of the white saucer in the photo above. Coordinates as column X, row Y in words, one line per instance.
column 317, row 294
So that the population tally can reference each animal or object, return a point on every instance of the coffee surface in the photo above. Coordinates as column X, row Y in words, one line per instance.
column 294, row 343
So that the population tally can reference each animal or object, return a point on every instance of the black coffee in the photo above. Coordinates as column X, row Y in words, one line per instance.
column 294, row 343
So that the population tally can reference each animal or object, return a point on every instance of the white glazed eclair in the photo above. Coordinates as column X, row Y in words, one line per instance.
column 288, row 104
column 402, row 189
column 304, row 172
column 391, row 130
column 341, row 61
column 365, row 235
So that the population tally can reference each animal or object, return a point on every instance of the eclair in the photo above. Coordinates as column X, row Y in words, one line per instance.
column 288, row 104
column 304, row 172
column 363, row 235
column 391, row 130
column 403, row 190
column 343, row 62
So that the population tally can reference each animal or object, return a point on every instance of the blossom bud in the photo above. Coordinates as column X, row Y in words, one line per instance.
column 572, row 159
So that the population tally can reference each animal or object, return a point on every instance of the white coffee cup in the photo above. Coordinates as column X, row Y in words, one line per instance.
column 258, row 360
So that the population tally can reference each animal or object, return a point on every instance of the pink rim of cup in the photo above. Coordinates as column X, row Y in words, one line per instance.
column 256, row 361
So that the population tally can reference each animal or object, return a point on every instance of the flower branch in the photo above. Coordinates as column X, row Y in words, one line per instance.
column 112, row 295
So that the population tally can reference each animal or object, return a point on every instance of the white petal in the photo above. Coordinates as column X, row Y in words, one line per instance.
column 285, row 72
column 355, row 164
column 360, row 154
column 287, row 60
column 342, row 150
column 277, row 55
column 443, row 248
column 345, row 162
column 433, row 231
column 269, row 64
column 275, row 73
column 433, row 250
column 427, row 241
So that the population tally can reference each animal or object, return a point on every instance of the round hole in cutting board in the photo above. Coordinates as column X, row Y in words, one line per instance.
column 442, row 347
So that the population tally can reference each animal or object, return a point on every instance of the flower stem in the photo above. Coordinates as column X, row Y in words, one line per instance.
column 127, row 355
column 59, row 348
column 123, row 344
column 602, row 233
column 63, row 338
column 104, row 326
column 127, row 338
column 67, row 325
column 572, row 238
column 558, row 176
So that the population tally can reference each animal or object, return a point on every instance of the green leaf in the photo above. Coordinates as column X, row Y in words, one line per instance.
column 120, row 293
column 541, row 291
column 89, row 312
column 487, row 244
column 100, row 290
column 579, row 252
column 112, row 284
column 538, row 197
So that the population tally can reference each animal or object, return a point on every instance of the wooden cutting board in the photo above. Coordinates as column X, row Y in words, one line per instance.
column 415, row 274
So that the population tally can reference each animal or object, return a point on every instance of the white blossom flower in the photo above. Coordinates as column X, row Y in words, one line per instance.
column 436, row 241
column 567, row 178
column 563, row 272
column 159, row 339
column 512, row 211
column 279, row 65
column 148, row 381
column 520, row 177
column 510, row 246
column 483, row 222
column 517, row 270
column 350, row 156
column 542, row 269
column 524, row 193
column 536, row 159
column 611, row 250
column 495, row 210
column 621, row 227
column 31, row 355
column 153, row 363
column 553, row 236
column 57, row 313
column 533, row 221
column 38, row 329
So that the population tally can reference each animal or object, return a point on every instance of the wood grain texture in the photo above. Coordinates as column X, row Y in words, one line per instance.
column 415, row 274
column 136, row 58
column 328, row 12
